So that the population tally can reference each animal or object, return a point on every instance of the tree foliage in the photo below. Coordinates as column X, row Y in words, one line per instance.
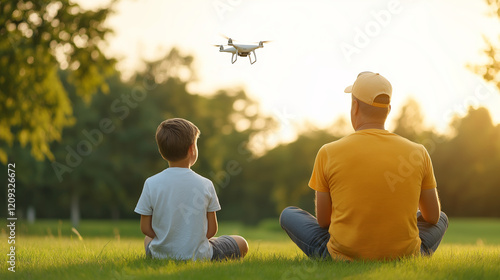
column 37, row 38
column 410, row 120
column 491, row 70
column 466, row 165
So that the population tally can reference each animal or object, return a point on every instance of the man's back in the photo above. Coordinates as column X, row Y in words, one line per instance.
column 374, row 178
column 368, row 187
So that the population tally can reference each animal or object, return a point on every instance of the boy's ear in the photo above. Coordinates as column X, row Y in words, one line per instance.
column 161, row 154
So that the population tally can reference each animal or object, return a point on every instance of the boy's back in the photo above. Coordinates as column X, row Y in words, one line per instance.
column 178, row 207
column 180, row 200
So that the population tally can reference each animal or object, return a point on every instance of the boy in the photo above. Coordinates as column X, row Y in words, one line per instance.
column 177, row 206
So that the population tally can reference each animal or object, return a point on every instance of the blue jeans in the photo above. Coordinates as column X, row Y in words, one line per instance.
column 304, row 230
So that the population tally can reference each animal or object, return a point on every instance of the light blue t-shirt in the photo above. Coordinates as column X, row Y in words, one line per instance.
column 179, row 199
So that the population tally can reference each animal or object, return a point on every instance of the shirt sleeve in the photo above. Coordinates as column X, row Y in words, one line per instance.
column 318, row 181
column 428, row 180
column 213, row 204
column 144, row 206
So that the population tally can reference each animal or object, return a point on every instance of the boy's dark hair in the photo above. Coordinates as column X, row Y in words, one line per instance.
column 174, row 136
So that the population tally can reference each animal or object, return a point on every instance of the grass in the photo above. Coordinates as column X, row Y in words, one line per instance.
column 114, row 250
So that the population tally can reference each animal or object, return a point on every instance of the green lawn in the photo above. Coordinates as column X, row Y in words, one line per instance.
column 114, row 250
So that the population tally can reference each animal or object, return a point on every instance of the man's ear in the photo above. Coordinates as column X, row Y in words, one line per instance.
column 192, row 148
column 355, row 106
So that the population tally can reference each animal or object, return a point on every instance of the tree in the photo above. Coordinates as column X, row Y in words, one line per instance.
column 409, row 122
column 466, row 166
column 37, row 38
column 280, row 177
column 491, row 70
column 84, row 170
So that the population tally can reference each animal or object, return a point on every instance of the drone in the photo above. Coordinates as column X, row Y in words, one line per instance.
column 241, row 50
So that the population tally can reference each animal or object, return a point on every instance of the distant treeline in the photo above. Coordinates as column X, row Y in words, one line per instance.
column 101, row 163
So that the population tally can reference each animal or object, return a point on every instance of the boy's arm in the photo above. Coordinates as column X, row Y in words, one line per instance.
column 147, row 226
column 212, row 224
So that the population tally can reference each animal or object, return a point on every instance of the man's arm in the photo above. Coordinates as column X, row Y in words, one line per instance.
column 147, row 226
column 429, row 205
column 212, row 224
column 323, row 209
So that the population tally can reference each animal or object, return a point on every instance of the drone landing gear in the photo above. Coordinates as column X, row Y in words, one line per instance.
column 250, row 57
column 234, row 57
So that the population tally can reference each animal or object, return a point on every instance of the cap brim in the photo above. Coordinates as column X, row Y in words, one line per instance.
column 348, row 89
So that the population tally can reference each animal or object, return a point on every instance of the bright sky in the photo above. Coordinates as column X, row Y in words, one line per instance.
column 318, row 49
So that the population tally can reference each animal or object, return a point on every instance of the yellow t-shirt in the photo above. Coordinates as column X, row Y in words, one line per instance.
column 374, row 178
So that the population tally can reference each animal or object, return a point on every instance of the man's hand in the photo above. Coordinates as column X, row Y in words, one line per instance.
column 323, row 209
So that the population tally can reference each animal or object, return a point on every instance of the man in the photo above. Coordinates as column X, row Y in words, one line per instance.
column 376, row 195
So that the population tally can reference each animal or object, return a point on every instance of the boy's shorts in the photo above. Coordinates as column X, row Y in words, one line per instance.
column 224, row 247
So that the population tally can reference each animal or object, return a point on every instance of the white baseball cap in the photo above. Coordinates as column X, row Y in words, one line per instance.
column 368, row 86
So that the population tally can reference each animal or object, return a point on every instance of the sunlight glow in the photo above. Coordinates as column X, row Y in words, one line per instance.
column 318, row 48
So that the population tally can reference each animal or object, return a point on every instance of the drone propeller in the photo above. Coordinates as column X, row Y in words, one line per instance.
column 229, row 40
column 221, row 47
column 261, row 43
